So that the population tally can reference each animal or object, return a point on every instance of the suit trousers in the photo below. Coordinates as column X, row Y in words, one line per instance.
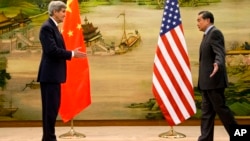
column 50, row 93
column 213, row 102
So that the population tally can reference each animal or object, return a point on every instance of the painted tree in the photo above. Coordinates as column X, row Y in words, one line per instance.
column 3, row 74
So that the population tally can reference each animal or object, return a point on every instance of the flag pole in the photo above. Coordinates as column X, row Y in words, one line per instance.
column 172, row 134
column 72, row 134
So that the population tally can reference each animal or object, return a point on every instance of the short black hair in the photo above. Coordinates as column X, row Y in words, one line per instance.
column 207, row 15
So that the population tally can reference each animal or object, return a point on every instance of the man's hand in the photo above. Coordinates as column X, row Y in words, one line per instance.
column 79, row 54
column 216, row 68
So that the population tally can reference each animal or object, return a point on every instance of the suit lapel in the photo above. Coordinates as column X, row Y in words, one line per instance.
column 57, row 33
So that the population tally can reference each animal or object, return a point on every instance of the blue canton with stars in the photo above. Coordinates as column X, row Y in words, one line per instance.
column 171, row 16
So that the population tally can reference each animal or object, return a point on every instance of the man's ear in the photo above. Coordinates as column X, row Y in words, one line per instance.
column 53, row 12
column 208, row 20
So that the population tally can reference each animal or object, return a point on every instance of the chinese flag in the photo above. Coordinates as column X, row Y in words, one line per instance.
column 76, row 91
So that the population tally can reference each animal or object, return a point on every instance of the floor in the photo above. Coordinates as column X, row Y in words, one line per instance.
column 112, row 133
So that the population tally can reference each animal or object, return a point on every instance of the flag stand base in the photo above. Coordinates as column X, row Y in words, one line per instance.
column 172, row 134
column 72, row 134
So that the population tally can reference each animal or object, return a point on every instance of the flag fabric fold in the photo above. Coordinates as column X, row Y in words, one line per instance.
column 76, row 90
column 172, row 80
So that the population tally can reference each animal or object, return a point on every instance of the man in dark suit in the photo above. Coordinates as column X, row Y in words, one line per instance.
column 52, row 70
column 212, row 79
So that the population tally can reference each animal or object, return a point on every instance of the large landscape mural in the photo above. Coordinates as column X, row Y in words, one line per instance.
column 121, row 38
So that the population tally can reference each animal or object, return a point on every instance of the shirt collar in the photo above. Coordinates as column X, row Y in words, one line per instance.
column 54, row 21
column 208, row 29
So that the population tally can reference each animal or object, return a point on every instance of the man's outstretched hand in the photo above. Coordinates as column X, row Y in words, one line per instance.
column 79, row 54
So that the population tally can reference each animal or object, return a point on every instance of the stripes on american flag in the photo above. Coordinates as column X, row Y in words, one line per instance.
column 172, row 80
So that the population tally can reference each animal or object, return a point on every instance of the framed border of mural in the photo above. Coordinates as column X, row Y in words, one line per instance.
column 121, row 79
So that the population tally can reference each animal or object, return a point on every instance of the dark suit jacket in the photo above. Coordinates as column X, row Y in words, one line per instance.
column 54, row 55
column 212, row 50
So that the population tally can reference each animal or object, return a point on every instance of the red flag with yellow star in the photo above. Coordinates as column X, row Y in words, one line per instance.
column 76, row 91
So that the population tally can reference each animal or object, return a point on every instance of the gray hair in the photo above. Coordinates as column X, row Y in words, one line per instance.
column 55, row 5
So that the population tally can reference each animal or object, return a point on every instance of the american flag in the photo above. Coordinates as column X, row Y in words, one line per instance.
column 172, row 80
